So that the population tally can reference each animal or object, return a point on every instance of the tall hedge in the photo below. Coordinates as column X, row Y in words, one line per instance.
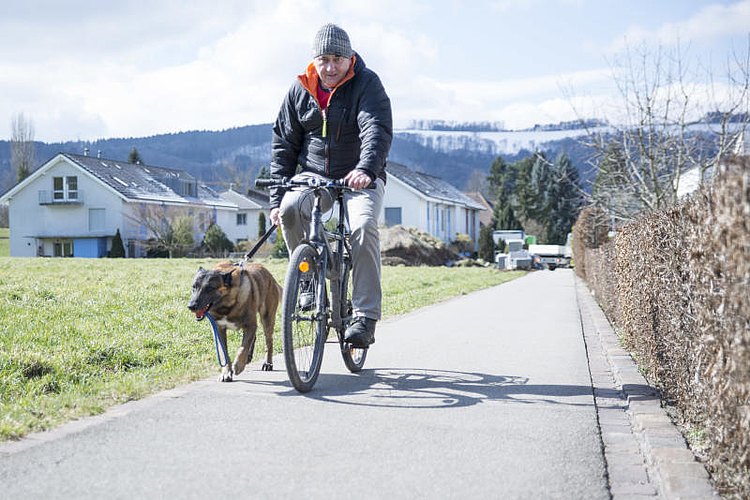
column 676, row 285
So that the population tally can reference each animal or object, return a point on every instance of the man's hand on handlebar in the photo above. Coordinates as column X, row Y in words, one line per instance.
column 357, row 179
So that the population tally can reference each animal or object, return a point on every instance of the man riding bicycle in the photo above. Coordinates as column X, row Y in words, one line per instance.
column 335, row 122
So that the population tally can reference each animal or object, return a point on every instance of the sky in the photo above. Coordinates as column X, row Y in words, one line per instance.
column 88, row 69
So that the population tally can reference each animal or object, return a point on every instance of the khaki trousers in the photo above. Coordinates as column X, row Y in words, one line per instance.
column 363, row 208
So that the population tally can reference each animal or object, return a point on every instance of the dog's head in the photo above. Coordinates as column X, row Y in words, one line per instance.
column 209, row 287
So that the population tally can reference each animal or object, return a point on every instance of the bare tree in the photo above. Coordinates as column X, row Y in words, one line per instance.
column 670, row 118
column 22, row 149
column 169, row 229
column 236, row 178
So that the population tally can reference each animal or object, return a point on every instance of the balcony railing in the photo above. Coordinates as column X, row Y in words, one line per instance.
column 61, row 198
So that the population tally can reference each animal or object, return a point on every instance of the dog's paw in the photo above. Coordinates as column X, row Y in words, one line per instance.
column 226, row 376
column 237, row 369
column 267, row 367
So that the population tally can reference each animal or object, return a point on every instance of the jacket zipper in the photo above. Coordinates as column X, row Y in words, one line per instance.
column 325, row 140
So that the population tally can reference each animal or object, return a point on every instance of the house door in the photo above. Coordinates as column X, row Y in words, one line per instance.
column 63, row 248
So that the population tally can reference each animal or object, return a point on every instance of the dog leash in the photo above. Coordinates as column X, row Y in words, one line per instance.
column 218, row 342
column 262, row 240
column 211, row 320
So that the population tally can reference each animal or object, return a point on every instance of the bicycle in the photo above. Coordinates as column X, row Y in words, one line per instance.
column 307, row 311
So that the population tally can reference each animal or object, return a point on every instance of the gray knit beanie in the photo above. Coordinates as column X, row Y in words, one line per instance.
column 331, row 40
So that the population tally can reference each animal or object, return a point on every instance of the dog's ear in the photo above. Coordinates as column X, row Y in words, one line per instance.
column 227, row 277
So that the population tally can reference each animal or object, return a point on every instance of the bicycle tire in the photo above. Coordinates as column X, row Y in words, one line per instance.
column 354, row 357
column 304, row 335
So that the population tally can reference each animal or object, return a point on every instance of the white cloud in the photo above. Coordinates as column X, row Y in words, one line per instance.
column 710, row 22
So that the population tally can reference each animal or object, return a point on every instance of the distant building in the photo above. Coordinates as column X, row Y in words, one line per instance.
column 485, row 216
column 242, row 225
column 73, row 205
column 430, row 204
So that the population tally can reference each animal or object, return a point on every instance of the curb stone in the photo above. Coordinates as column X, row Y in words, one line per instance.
column 645, row 454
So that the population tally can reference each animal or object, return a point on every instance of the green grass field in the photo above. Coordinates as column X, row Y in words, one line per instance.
column 4, row 242
column 80, row 335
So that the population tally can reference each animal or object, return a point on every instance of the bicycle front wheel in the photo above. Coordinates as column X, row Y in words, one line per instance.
column 303, row 320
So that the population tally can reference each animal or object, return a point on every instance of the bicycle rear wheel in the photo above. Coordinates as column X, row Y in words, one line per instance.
column 354, row 357
column 304, row 331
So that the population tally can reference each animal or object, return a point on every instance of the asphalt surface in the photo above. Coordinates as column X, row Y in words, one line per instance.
column 487, row 395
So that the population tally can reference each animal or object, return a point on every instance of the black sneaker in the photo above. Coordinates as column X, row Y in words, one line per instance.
column 361, row 332
column 306, row 295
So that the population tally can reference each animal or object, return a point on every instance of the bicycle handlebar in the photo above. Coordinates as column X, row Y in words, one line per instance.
column 312, row 182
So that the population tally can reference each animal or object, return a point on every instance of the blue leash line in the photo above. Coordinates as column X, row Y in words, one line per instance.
column 218, row 342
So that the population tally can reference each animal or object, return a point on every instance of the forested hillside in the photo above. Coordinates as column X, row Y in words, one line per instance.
column 210, row 155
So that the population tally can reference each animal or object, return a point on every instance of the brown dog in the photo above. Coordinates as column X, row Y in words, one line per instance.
column 234, row 294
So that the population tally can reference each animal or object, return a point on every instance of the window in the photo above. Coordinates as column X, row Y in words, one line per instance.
column 63, row 248
column 58, row 188
column 392, row 216
column 72, row 184
column 242, row 219
column 96, row 219
column 65, row 188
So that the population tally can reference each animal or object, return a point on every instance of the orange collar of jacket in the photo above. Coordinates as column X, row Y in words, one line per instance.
column 309, row 79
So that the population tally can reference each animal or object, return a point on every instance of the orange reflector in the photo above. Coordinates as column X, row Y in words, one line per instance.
column 304, row 267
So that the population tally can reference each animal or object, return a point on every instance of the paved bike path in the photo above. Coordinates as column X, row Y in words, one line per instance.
column 486, row 395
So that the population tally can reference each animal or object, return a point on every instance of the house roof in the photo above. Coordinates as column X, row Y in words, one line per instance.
column 147, row 182
column 485, row 218
column 253, row 200
column 431, row 186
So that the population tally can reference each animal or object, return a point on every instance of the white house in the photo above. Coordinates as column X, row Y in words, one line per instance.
column 242, row 225
column 430, row 204
column 73, row 205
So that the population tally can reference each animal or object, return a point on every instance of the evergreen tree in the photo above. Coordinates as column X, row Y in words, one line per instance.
column 261, row 224
column 118, row 249
column 502, row 214
column 564, row 194
column 279, row 248
column 499, row 176
column 263, row 173
column 135, row 157
column 486, row 244
column 525, row 192
column 216, row 240
column 541, row 184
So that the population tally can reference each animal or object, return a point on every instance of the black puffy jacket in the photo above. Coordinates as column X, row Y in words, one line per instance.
column 359, row 128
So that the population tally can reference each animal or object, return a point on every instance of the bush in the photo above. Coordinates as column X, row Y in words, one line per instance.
column 486, row 244
column 118, row 249
column 589, row 231
column 279, row 248
column 675, row 284
column 261, row 224
column 216, row 241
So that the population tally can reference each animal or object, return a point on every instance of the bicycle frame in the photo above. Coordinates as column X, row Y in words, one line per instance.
column 333, row 261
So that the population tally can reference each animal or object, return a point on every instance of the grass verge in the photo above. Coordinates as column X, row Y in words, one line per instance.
column 80, row 335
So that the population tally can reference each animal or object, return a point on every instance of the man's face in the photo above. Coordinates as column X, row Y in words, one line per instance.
column 331, row 69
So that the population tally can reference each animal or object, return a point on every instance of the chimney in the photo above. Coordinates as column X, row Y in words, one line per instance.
column 85, row 151
column 99, row 154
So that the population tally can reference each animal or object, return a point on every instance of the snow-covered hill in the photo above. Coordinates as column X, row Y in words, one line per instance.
column 494, row 143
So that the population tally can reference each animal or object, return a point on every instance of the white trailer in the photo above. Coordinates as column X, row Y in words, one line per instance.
column 551, row 256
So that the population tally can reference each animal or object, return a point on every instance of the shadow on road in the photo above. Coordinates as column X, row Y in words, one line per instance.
column 427, row 388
